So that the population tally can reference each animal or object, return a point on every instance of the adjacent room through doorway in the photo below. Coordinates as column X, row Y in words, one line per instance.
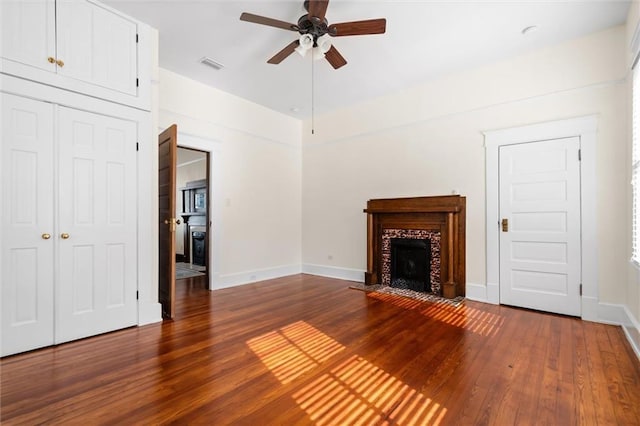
column 191, row 208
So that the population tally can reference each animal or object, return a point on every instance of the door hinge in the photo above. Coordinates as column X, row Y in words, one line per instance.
column 137, row 295
column 136, row 38
column 137, row 146
column 580, row 289
column 137, row 83
column 579, row 155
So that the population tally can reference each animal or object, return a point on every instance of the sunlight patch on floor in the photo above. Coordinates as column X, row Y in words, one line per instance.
column 400, row 301
column 357, row 392
column 470, row 319
column 293, row 350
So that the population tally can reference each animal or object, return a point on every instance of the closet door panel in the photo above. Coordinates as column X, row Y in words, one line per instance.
column 27, row 224
column 97, row 286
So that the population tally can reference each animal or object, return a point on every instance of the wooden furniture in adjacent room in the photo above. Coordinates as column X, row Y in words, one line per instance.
column 194, row 212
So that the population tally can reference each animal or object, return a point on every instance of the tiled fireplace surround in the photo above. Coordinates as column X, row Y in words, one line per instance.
column 439, row 219
column 413, row 234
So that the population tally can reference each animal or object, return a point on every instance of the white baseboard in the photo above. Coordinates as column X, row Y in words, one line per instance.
column 590, row 308
column 489, row 293
column 608, row 313
column 347, row 274
column 631, row 328
column 246, row 277
column 149, row 312
column 620, row 315
column 477, row 292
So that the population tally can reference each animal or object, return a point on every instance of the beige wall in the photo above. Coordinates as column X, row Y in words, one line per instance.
column 633, row 282
column 258, row 161
column 429, row 141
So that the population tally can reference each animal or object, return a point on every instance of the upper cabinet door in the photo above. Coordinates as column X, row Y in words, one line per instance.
column 96, row 45
column 28, row 32
column 78, row 45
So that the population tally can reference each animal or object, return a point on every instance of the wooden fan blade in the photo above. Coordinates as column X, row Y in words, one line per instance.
column 335, row 58
column 257, row 19
column 282, row 55
column 370, row 26
column 318, row 8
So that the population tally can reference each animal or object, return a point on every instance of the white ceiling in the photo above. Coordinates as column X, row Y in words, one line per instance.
column 424, row 40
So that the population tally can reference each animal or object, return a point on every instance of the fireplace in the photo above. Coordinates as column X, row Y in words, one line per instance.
column 410, row 264
column 438, row 222
column 199, row 248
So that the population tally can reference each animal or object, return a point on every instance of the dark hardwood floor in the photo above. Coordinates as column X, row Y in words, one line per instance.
column 309, row 350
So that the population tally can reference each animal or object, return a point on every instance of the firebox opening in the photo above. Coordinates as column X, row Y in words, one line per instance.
column 411, row 264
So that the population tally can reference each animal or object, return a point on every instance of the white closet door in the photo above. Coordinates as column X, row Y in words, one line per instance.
column 96, row 291
column 97, row 45
column 29, row 32
column 27, row 224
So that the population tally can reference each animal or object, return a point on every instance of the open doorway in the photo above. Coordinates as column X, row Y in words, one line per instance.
column 184, row 211
column 192, row 208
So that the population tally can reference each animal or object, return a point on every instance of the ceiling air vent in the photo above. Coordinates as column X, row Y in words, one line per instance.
column 211, row 63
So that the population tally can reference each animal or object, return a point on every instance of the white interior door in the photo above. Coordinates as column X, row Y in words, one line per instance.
column 27, row 224
column 96, row 289
column 540, row 240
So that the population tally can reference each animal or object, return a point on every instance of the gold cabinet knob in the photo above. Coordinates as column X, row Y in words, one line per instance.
column 51, row 60
column 60, row 63
column 64, row 236
column 46, row 236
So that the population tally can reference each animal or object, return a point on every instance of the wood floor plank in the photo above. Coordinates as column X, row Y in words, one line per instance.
column 485, row 392
column 583, row 392
column 309, row 350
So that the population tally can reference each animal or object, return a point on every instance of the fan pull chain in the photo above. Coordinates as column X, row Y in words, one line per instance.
column 312, row 99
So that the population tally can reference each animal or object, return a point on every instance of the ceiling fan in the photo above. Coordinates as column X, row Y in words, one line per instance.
column 314, row 31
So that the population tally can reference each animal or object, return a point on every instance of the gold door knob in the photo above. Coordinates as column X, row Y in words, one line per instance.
column 172, row 224
column 64, row 236
column 60, row 63
column 51, row 60
column 46, row 236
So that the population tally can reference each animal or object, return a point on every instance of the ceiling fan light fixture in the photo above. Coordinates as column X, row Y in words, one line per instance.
column 305, row 43
column 324, row 43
